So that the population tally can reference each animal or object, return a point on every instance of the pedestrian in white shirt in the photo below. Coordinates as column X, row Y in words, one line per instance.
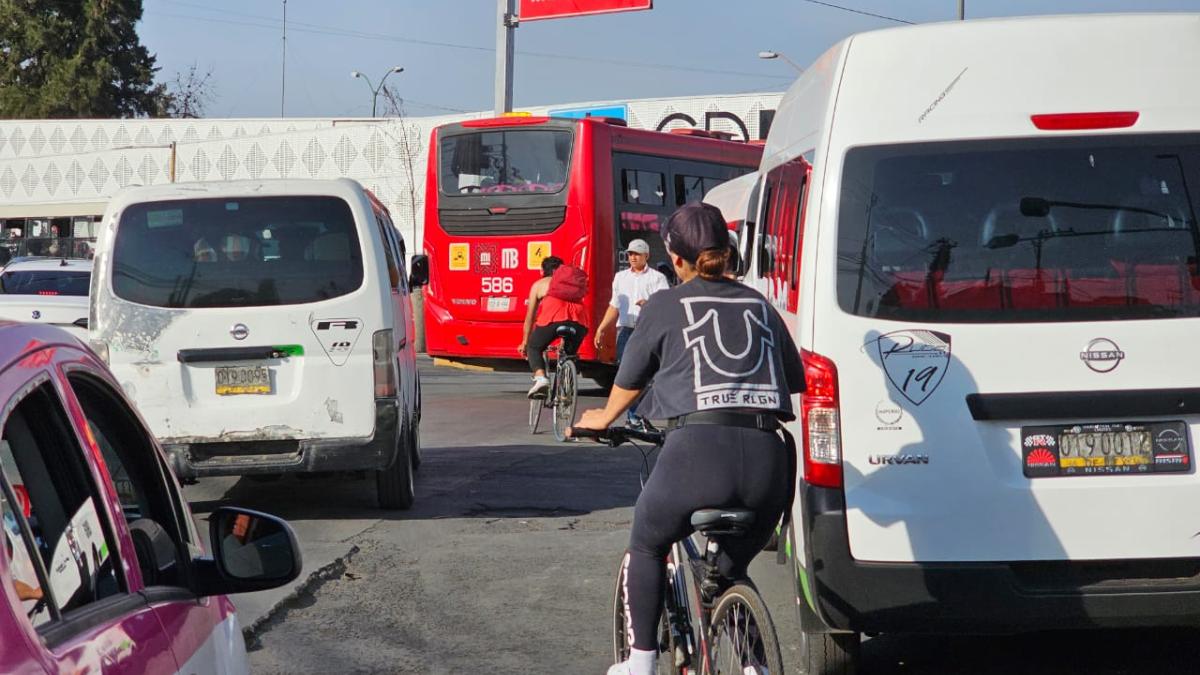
column 631, row 289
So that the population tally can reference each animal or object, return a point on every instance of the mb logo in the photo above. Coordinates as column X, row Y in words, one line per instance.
column 733, row 352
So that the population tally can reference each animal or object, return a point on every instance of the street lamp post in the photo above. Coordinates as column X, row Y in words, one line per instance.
column 375, row 90
column 779, row 55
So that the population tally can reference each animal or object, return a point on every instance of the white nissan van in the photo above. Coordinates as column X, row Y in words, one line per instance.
column 984, row 235
column 263, row 327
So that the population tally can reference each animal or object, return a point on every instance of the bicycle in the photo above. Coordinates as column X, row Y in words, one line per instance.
column 710, row 625
column 564, row 384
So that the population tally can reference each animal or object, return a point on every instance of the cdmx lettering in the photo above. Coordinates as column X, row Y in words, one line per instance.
column 765, row 117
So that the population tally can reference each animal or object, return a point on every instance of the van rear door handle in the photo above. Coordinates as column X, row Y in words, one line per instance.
column 403, row 343
column 230, row 354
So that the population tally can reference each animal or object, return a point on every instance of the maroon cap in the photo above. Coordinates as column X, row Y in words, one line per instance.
column 694, row 228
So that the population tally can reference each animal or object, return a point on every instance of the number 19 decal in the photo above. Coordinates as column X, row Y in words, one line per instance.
column 915, row 361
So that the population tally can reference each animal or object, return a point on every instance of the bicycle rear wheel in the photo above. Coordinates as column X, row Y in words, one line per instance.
column 743, row 635
column 564, row 398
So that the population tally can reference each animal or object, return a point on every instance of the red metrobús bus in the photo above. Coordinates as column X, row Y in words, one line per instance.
column 504, row 193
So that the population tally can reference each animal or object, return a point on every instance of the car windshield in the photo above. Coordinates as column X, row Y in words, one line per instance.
column 505, row 161
column 244, row 252
column 44, row 282
column 1067, row 229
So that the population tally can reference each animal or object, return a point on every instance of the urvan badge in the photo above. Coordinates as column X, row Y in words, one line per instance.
column 337, row 337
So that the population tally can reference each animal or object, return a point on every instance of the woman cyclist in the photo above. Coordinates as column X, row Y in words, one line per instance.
column 724, row 368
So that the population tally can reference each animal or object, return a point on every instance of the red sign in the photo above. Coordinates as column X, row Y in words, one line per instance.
column 532, row 10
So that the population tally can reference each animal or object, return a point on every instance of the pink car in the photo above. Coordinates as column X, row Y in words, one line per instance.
column 101, row 568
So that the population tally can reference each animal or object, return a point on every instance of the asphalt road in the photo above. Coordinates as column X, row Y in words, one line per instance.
column 506, row 565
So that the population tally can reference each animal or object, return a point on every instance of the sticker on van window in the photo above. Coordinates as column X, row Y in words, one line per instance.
column 915, row 361
column 337, row 337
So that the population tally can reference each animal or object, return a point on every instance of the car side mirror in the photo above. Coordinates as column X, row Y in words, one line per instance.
column 251, row 551
column 419, row 271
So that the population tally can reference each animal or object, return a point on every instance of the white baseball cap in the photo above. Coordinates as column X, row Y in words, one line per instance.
column 638, row 246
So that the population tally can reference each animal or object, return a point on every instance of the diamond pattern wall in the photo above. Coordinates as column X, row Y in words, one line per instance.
column 90, row 160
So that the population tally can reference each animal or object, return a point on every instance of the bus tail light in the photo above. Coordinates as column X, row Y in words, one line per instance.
column 383, row 353
column 820, row 419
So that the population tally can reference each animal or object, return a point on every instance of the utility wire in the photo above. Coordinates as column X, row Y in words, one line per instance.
column 859, row 11
column 299, row 26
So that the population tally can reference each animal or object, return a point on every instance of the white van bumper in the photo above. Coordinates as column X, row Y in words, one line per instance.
column 844, row 593
column 198, row 458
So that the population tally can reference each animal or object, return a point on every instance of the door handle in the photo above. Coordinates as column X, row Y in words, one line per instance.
column 403, row 343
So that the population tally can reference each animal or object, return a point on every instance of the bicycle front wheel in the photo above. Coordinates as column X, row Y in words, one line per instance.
column 535, row 413
column 743, row 635
column 564, row 398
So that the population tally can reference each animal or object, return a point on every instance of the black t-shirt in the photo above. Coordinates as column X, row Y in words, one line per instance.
column 712, row 345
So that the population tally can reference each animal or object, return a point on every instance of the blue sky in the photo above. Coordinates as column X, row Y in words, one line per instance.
column 681, row 47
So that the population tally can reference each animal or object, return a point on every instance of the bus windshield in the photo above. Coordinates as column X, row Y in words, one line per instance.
column 506, row 161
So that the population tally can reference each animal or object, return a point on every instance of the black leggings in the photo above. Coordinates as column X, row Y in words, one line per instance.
column 701, row 466
column 541, row 337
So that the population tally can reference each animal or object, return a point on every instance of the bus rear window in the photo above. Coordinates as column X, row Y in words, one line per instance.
column 1028, row 230
column 505, row 161
column 244, row 252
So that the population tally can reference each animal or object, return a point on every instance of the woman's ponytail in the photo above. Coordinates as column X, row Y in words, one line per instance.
column 711, row 263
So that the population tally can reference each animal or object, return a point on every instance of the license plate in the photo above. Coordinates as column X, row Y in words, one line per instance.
column 1105, row 449
column 243, row 380
column 498, row 304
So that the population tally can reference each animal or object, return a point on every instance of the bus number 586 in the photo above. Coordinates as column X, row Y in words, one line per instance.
column 497, row 285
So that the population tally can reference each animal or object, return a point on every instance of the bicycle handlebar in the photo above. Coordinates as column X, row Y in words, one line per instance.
column 614, row 436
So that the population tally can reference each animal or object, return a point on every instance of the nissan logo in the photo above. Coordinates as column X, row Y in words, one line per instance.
column 239, row 331
column 1102, row 355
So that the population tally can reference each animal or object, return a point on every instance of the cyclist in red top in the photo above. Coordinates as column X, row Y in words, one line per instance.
column 554, row 300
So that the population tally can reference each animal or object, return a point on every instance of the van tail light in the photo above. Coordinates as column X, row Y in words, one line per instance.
column 384, row 354
column 1085, row 120
column 101, row 349
column 819, row 416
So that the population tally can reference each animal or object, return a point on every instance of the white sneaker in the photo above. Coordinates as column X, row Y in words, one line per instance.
column 541, row 385
column 640, row 662
column 621, row 668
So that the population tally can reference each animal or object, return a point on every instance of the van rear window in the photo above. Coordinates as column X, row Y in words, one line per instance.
column 247, row 252
column 1021, row 230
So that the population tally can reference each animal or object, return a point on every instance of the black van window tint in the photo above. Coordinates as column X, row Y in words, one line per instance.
column 243, row 252
column 1022, row 230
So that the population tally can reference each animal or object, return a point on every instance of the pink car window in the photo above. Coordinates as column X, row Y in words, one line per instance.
column 69, row 547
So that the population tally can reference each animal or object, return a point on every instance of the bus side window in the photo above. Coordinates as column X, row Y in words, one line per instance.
column 798, row 239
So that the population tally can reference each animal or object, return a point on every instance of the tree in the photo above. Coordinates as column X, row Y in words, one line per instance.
column 409, row 148
column 75, row 58
column 188, row 94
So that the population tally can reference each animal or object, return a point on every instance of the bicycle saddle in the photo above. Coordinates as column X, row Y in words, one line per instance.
column 724, row 522
column 565, row 331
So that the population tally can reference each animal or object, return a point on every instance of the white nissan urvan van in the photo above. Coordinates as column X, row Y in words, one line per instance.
column 263, row 327
column 984, row 235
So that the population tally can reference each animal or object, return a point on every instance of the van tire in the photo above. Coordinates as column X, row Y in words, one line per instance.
column 829, row 653
column 415, row 444
column 394, row 485
column 821, row 653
